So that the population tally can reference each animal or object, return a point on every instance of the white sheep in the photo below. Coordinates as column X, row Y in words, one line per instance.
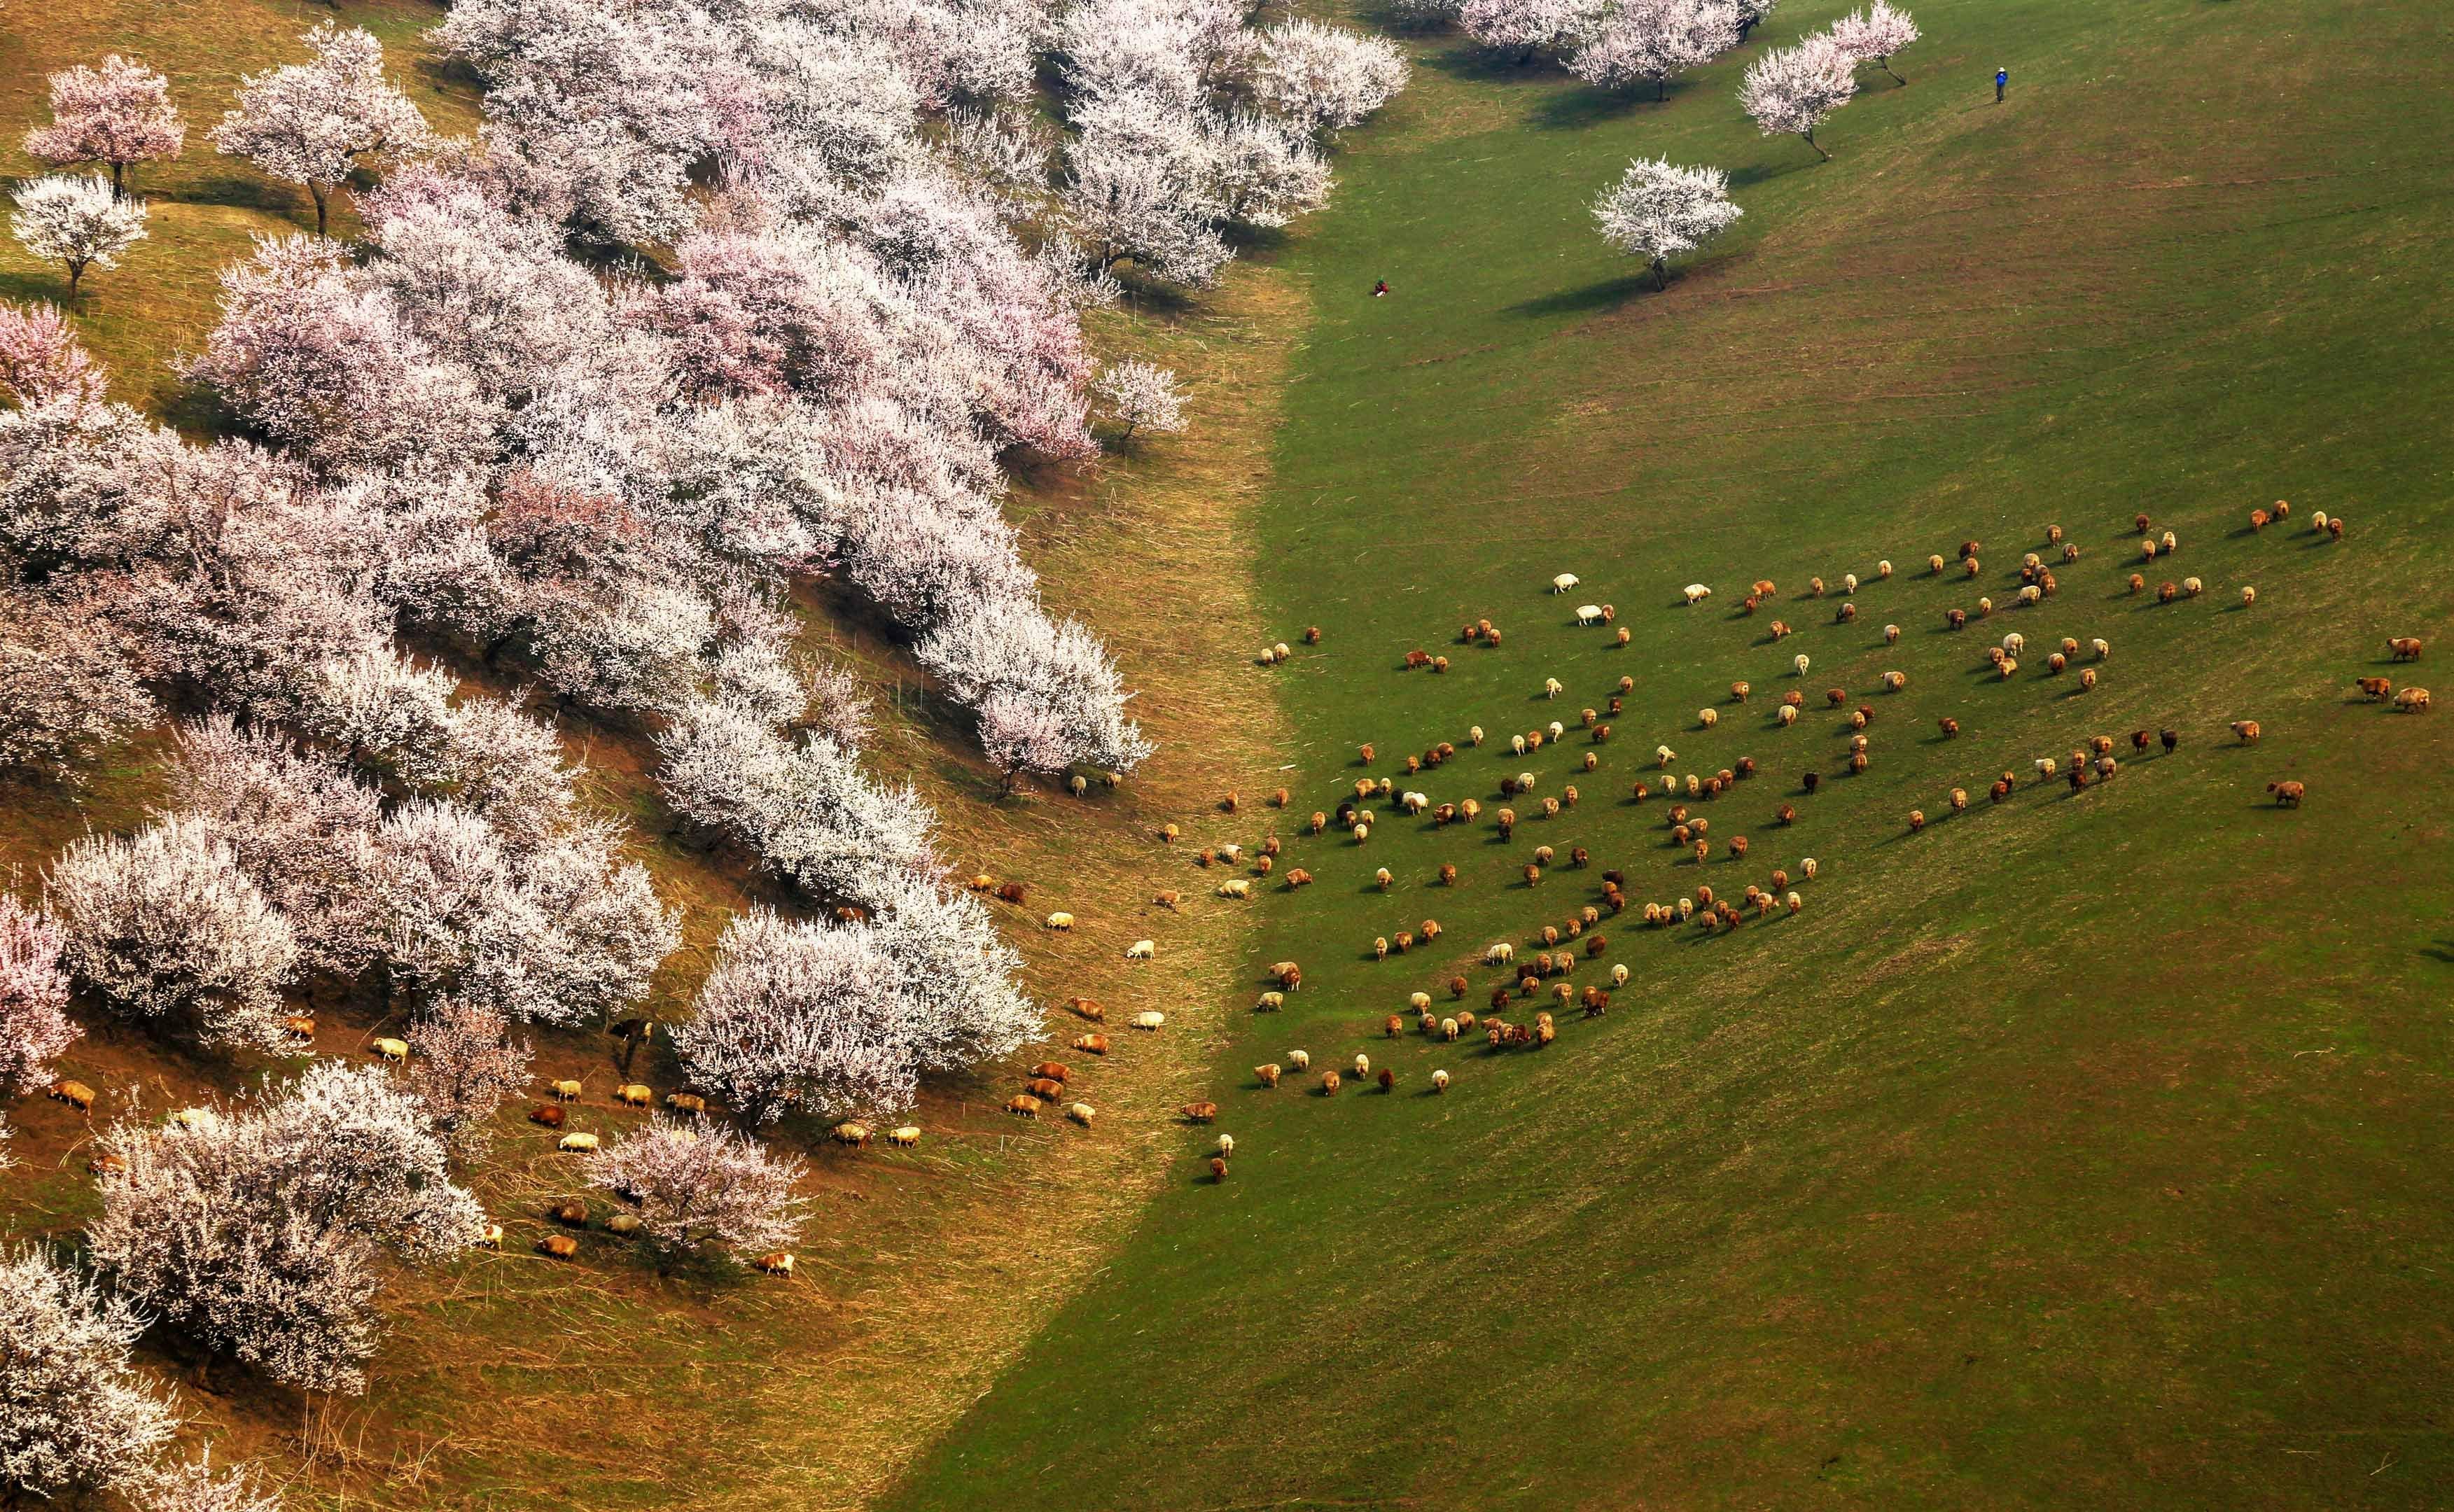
column 1551, row 688
column 1301, row 1060
column 1149, row 1020
column 1563, row 582
column 1059, row 921
column 1619, row 976
column 1142, row 950
column 1226, row 1145
column 577, row 1145
column 2103, row 648
column 1516, row 744
column 2248, row 595
column 1414, row 802
column 2192, row 587
column 2030, row 595
column 1884, row 569
column 1474, row 736
column 1419, row 1001
column 1849, row 582
column 1589, row 613
column 2015, row 644
column 1800, row 662
column 1237, row 888
column 1270, row 1002
column 1499, row 955
column 1786, row 714
column 1362, row 833
column 1697, row 592
column 1362, row 1066
column 1556, row 729
column 1807, row 866
column 1707, row 717
column 1439, row 1082
column 1665, row 755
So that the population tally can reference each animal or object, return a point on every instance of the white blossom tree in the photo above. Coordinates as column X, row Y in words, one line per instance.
column 1013, row 646
column 266, row 1235
column 698, row 1185
column 1324, row 78
column 119, row 113
column 75, row 1415
column 34, row 1024
column 314, row 123
column 802, row 1015
column 1524, row 27
column 167, row 924
column 1752, row 13
column 1143, row 395
column 1655, row 41
column 78, row 223
column 462, row 1064
column 1020, row 733
column 297, row 825
column 1792, row 90
column 1659, row 210
column 1874, row 34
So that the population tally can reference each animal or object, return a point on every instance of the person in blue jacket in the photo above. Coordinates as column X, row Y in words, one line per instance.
column 2002, row 82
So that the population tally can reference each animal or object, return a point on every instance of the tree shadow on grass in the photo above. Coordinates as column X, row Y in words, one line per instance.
column 1607, row 294
column 1577, row 108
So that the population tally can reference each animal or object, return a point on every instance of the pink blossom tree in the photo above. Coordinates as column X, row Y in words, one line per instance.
column 297, row 825
column 70, row 682
column 1874, row 34
column 41, row 361
column 1792, row 90
column 698, row 1185
column 34, row 1024
column 75, row 1414
column 1143, row 395
column 119, row 113
column 1659, row 210
column 1655, row 41
column 314, row 123
column 462, row 1065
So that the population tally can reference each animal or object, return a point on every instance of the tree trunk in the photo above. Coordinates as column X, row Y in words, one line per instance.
column 322, row 215
column 118, row 179
column 1818, row 145
column 1888, row 69
column 1661, row 273
column 76, row 270
column 1661, row 90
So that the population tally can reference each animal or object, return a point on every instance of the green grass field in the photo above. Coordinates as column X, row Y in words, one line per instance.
column 2082, row 1151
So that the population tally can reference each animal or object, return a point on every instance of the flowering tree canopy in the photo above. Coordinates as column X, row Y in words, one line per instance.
column 119, row 113
column 312, row 122
column 1659, row 210
column 698, row 1184
column 1655, row 41
column 75, row 1416
column 1794, row 90
column 78, row 223
column 1874, row 34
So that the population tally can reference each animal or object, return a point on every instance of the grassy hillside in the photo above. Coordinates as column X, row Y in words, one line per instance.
column 2084, row 1150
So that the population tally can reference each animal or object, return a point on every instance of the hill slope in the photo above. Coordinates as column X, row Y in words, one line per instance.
column 2081, row 1150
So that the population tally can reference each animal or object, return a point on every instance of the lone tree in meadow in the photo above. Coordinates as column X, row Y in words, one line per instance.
column 1141, row 394
column 312, row 122
column 77, row 222
column 119, row 113
column 1872, row 36
column 1655, row 41
column 1659, row 210
column 1792, row 90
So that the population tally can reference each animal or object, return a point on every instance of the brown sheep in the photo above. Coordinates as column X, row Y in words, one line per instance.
column 2171, row 740
column 1199, row 1112
column 1836, row 696
column 1330, row 1082
column 2247, row 730
column 75, row 1094
column 1388, row 1079
column 2166, row 593
column 558, row 1246
column 1047, row 1089
column 1053, row 1071
column 1086, row 1008
column 2000, row 790
column 1024, row 1105
column 2405, row 648
column 548, row 1113
column 2376, row 690
column 298, row 1029
column 1092, row 1045
column 1011, row 892
column 1266, row 1075
column 777, row 1264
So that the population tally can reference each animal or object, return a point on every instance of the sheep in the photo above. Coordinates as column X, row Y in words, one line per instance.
column 396, row 1051
column 1267, row 1073
column 1787, row 715
column 1024, row 1105
column 1142, row 950
column 547, row 1114
column 778, row 1263
column 2029, row 596
column 1048, row 1089
column 2046, row 769
column 1849, row 582
column 904, row 1135
column 2056, row 662
column 2405, row 648
column 1973, row 567
column 1622, row 637
column 689, row 1103
column 572, row 1214
column 1329, row 1083
column 2412, row 700
column 2191, row 587
column 558, row 1246
column 2087, row 679
column 1199, row 1112
column 1090, row 1009
column 1984, row 607
column 1780, row 629
column 1801, row 663
column 1697, row 592
column 1312, row 634
column 1846, row 615
column 2171, row 739
column 576, row 1145
column 1380, row 948
column 1237, row 887
column 1934, row 564
column 1589, row 613
column 1091, row 1044
column 1707, row 717
column 2171, row 543
column 1552, row 688
column 2138, row 584
column 298, row 1029
column 1563, row 582
column 2009, row 668
column 1955, row 618
column 1916, row 820
column 1290, row 975
column 1361, row 831
column 1555, row 730
column 2247, row 730
column 2248, row 597
column 2147, row 551
column 1059, row 921
column 1150, row 1021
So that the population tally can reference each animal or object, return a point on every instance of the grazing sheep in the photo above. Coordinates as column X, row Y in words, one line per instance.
column 396, row 1051
column 1085, row 1115
column 1059, row 921
column 1270, row 1002
column 1697, row 592
column 1974, row 567
column 1238, row 887
column 1199, row 1112
column 2412, row 700
column 1329, row 1083
column 778, row 1263
column 1266, row 1075
column 576, row 1145
column 1499, row 955
column 689, row 1103
column 1934, row 563
column 1801, row 663
column 75, row 1094
column 1780, row 629
column 1090, row 1009
column 2191, row 587
column 2248, row 597
column 1047, row 1089
column 854, row 1134
column 1984, row 607
column 1142, row 950
column 2086, row 680
column 1552, row 688
column 2147, row 549
column 1846, row 615
column 1955, row 618
column 1795, row 902
column 2171, row 739
column 2247, row 730
column 1589, row 613
column 1916, row 820
column 1024, row 1105
column 2009, row 668
column 1149, row 1020
column 1707, row 717
column 1092, row 1045
column 1563, row 582
column 2405, row 648
column 547, row 1114
column 1301, row 1060
column 558, row 1246
column 2056, row 662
